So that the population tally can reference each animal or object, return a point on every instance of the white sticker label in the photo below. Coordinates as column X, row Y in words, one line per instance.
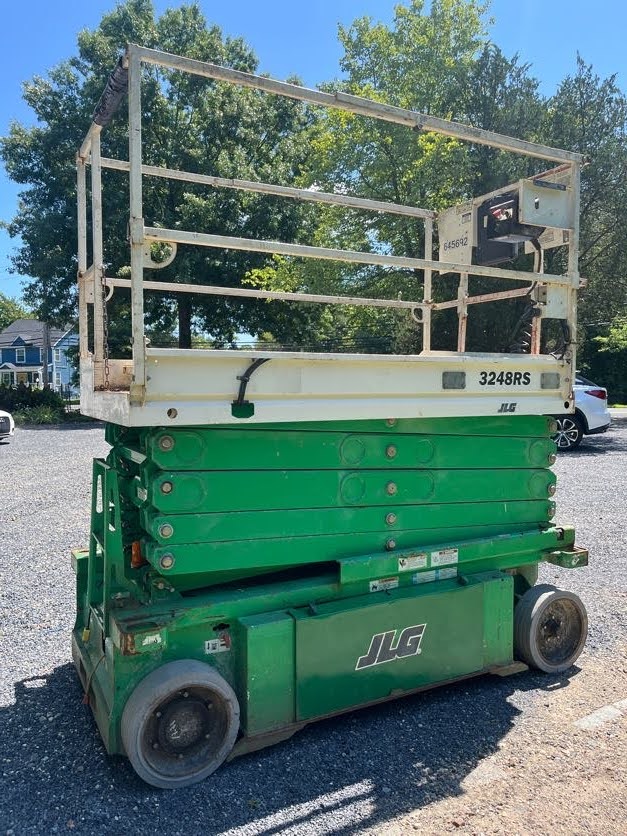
column 220, row 645
column 423, row 577
column 383, row 583
column 155, row 638
column 412, row 561
column 444, row 557
column 435, row 575
column 443, row 574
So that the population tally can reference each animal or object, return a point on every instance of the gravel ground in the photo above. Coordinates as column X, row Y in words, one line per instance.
column 355, row 774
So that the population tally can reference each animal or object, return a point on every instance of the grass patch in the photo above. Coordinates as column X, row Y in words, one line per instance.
column 41, row 415
column 38, row 415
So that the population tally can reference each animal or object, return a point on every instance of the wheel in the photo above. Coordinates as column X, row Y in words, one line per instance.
column 569, row 432
column 550, row 628
column 179, row 724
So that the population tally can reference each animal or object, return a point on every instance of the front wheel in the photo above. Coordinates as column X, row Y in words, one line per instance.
column 179, row 724
column 550, row 628
column 569, row 432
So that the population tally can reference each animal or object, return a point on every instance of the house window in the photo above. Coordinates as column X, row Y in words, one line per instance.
column 57, row 379
column 57, row 355
column 7, row 378
column 20, row 355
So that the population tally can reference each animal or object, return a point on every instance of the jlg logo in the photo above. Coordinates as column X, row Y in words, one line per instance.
column 383, row 649
column 507, row 407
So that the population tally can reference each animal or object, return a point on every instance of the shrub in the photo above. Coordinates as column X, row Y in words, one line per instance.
column 21, row 397
column 604, row 360
column 38, row 415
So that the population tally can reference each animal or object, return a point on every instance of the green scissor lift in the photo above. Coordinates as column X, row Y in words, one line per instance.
column 269, row 547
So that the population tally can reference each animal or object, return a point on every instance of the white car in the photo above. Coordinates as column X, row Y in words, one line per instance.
column 7, row 425
column 591, row 415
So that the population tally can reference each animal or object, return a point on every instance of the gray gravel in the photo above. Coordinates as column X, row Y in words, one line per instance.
column 337, row 776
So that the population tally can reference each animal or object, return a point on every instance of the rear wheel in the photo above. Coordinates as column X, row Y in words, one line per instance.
column 179, row 724
column 550, row 628
column 569, row 432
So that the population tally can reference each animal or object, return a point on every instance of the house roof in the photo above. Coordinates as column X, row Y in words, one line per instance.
column 31, row 331
column 11, row 367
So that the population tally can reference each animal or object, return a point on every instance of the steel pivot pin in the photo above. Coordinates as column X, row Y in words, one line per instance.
column 167, row 561
column 166, row 442
column 166, row 530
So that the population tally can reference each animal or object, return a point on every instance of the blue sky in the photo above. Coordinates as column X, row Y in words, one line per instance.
column 300, row 37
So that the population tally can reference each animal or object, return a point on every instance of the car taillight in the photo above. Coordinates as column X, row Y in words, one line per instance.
column 597, row 393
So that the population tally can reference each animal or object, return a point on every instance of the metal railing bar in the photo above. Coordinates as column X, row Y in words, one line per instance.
column 484, row 297
column 427, row 287
column 97, row 246
column 355, row 104
column 81, row 193
column 271, row 188
column 136, row 224
column 215, row 290
column 179, row 236
column 85, row 149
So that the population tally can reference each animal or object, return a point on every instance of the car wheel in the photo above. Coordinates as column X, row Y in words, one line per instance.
column 569, row 432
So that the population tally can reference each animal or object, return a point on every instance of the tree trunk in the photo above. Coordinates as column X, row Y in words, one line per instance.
column 185, row 321
column 45, row 350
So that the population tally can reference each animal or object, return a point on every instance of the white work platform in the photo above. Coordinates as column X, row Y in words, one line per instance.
column 197, row 386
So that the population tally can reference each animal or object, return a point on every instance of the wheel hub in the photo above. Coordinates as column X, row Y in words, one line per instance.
column 184, row 731
column 567, row 433
column 559, row 631
column 183, row 724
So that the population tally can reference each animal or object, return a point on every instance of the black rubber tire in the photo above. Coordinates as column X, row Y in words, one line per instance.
column 550, row 628
column 179, row 724
column 570, row 431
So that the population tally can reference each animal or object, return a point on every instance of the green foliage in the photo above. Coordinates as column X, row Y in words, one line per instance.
column 604, row 360
column 435, row 58
column 589, row 114
column 10, row 310
column 441, row 62
column 189, row 123
column 616, row 339
column 438, row 62
column 38, row 415
column 20, row 397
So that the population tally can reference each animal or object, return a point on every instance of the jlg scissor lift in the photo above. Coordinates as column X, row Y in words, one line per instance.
column 282, row 536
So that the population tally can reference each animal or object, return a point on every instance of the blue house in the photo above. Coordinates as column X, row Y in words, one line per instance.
column 22, row 360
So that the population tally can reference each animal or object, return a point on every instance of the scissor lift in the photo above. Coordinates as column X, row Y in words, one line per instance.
column 282, row 536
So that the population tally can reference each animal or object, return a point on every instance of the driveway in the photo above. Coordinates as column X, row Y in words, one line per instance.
column 490, row 755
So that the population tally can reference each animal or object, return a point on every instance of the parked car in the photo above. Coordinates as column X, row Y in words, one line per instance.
column 591, row 415
column 7, row 425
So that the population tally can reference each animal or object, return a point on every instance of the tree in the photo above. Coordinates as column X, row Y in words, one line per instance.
column 191, row 123
column 10, row 310
column 604, row 359
column 438, row 62
column 589, row 114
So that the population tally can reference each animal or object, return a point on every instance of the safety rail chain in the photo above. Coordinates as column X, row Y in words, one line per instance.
column 95, row 287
